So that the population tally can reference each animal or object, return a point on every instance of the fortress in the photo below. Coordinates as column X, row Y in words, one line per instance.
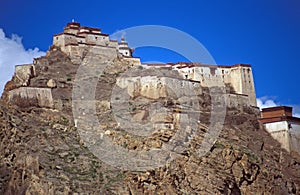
column 75, row 38
column 90, row 118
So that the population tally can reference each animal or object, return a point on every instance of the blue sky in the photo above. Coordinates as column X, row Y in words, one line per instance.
column 264, row 33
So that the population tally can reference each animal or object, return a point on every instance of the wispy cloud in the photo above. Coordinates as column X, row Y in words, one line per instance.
column 297, row 115
column 296, row 109
column 12, row 52
column 265, row 102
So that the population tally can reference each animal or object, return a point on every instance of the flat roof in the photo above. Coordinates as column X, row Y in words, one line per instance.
column 198, row 64
column 276, row 108
column 278, row 119
column 90, row 28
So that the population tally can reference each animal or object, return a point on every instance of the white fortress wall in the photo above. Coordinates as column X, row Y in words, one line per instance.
column 154, row 87
column 295, row 137
column 279, row 131
column 235, row 79
column 41, row 96
column 237, row 100
column 248, row 85
column 277, row 126
column 58, row 40
column 242, row 82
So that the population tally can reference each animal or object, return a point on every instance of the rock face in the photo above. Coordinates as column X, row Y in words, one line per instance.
column 41, row 151
column 23, row 74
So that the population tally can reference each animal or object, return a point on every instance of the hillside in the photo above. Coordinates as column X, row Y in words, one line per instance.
column 41, row 151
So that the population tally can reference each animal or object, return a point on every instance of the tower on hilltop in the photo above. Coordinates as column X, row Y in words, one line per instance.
column 124, row 49
column 76, row 35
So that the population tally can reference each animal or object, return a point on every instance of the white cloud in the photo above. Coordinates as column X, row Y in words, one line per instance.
column 265, row 102
column 12, row 52
column 296, row 109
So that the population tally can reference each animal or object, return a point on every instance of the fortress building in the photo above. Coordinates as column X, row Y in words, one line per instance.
column 239, row 77
column 282, row 126
column 75, row 38
column 77, row 41
column 78, row 36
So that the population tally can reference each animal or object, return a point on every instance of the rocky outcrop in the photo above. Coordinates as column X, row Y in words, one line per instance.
column 41, row 152
column 51, row 83
column 23, row 74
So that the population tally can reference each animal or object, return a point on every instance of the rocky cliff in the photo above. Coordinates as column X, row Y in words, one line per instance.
column 42, row 152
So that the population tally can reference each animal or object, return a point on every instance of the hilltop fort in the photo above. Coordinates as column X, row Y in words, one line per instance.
column 77, row 40
column 42, row 150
